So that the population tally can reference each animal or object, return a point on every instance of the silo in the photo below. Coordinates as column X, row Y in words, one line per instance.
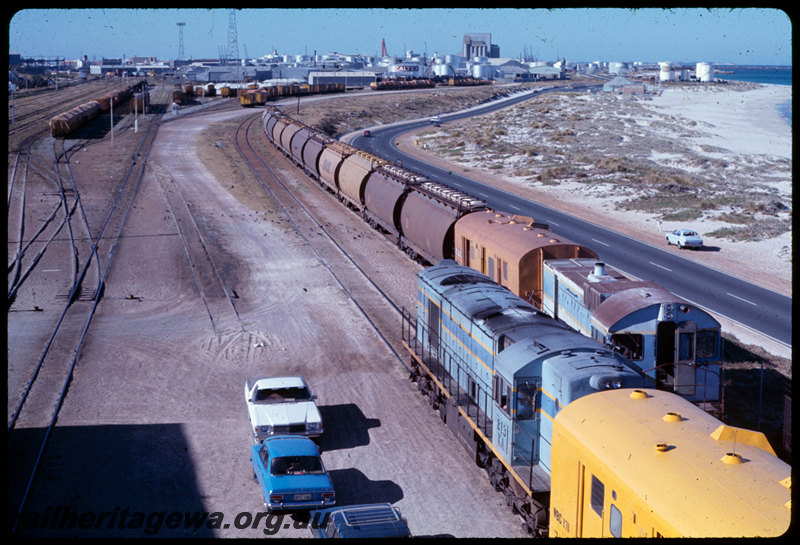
column 704, row 72
column 665, row 72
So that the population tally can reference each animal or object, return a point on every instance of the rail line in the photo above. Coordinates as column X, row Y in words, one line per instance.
column 205, row 272
column 62, row 344
column 330, row 253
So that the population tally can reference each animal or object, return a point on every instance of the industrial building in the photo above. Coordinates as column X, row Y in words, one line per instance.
column 479, row 45
column 349, row 79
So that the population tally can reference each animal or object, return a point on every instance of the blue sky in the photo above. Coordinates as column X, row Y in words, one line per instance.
column 739, row 36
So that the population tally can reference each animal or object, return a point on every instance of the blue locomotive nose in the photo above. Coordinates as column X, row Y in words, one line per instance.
column 606, row 382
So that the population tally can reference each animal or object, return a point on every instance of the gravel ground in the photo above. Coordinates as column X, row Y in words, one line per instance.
column 155, row 421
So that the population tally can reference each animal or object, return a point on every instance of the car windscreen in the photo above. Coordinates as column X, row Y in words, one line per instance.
column 282, row 395
column 296, row 465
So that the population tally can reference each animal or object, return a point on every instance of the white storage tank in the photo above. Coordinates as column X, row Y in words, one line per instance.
column 665, row 71
column 704, row 72
column 441, row 68
column 482, row 71
column 616, row 68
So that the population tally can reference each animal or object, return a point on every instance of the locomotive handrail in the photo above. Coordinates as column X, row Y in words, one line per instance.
column 704, row 402
column 410, row 342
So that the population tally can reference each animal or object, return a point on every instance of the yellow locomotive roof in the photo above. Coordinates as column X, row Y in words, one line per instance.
column 703, row 477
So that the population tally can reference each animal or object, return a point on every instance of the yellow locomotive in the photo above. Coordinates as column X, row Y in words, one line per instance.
column 647, row 463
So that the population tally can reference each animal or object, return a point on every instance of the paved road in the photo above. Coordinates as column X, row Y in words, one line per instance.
column 758, row 308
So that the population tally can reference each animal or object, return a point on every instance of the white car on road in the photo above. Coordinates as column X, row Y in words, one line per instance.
column 282, row 405
column 684, row 238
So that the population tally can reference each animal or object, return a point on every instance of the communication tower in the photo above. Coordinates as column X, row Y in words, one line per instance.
column 233, row 40
column 180, row 40
column 383, row 48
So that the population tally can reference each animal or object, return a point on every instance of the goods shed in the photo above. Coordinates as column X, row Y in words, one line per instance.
column 350, row 79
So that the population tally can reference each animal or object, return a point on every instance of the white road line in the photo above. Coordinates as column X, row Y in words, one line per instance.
column 660, row 266
column 741, row 299
column 600, row 242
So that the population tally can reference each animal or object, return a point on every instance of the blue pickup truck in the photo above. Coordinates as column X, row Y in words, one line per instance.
column 375, row 520
column 289, row 470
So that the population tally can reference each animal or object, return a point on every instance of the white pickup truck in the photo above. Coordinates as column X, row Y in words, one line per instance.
column 281, row 405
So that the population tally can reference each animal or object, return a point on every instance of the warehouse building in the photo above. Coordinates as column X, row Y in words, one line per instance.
column 348, row 78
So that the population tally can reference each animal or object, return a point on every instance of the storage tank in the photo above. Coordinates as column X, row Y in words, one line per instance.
column 441, row 68
column 616, row 68
column 665, row 71
column 704, row 72
column 482, row 71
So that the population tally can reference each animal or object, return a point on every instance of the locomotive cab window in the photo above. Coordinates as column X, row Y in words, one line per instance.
column 686, row 346
column 526, row 401
column 502, row 393
column 629, row 345
column 706, row 344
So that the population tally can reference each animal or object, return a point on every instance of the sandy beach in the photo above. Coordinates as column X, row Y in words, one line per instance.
column 729, row 140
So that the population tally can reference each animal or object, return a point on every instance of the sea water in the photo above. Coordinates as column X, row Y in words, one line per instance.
column 770, row 75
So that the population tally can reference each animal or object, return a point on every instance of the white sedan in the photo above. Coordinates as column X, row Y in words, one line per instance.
column 684, row 238
column 282, row 405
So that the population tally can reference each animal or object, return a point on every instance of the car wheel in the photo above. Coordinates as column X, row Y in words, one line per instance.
column 668, row 241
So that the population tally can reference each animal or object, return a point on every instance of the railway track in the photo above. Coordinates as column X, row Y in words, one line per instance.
column 372, row 301
column 82, row 257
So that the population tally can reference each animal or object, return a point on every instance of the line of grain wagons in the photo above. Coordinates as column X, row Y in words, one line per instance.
column 63, row 124
column 674, row 342
column 255, row 95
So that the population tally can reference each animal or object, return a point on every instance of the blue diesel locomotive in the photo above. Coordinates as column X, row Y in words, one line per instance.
column 503, row 371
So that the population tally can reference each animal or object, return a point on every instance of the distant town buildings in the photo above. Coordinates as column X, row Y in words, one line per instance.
column 479, row 58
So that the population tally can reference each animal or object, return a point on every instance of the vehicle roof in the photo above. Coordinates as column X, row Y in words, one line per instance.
column 626, row 302
column 690, row 481
column 374, row 520
column 516, row 236
column 291, row 445
column 276, row 382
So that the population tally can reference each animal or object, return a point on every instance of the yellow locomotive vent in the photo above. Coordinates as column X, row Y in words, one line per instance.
column 732, row 458
column 672, row 417
column 639, row 394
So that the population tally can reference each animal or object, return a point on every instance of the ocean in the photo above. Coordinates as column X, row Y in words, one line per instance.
column 772, row 75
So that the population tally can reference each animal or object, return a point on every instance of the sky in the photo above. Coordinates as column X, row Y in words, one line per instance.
column 757, row 36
